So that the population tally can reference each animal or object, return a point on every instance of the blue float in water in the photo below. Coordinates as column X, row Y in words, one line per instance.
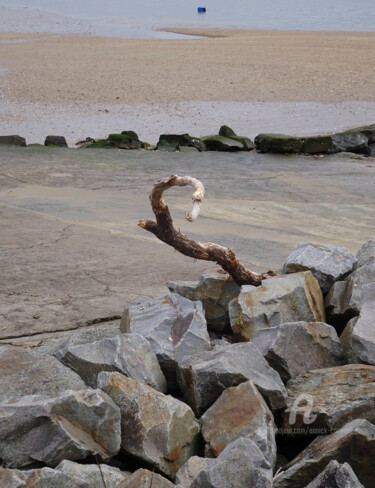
column 201, row 10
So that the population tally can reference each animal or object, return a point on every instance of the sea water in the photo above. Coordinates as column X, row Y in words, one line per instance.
column 145, row 18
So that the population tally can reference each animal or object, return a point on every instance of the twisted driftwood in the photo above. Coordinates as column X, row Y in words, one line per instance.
column 164, row 230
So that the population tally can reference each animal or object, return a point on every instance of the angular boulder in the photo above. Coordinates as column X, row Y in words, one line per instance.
column 72, row 426
column 59, row 141
column 317, row 145
column 328, row 263
column 366, row 255
column 203, row 379
column 143, row 478
column 12, row 141
column 175, row 327
column 345, row 298
column 226, row 131
column 291, row 349
column 326, row 399
column 221, row 143
column 278, row 143
column 241, row 464
column 215, row 290
column 22, row 372
column 186, row 475
column 362, row 343
column 281, row 299
column 336, row 475
column 92, row 475
column 354, row 143
column 156, row 428
column 174, row 142
column 354, row 444
column 346, row 338
column 37, row 478
column 129, row 354
column 240, row 412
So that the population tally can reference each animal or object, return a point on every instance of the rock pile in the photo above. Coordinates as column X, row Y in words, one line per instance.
column 210, row 386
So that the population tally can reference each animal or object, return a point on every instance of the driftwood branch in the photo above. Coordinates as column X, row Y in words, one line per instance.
column 164, row 230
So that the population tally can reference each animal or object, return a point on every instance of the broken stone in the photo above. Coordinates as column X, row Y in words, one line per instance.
column 156, row 428
column 129, row 354
column 346, row 338
column 336, row 475
column 292, row 349
column 240, row 412
column 145, row 479
column 37, row 478
column 326, row 399
column 174, row 142
column 278, row 143
column 362, row 343
column 24, row 373
column 221, row 143
column 204, row 378
column 92, row 475
column 72, row 426
column 317, row 145
column 354, row 443
column 281, row 299
column 354, row 143
column 12, row 141
column 175, row 327
column 240, row 464
column 328, row 263
column 366, row 255
column 190, row 470
column 55, row 141
column 345, row 298
column 215, row 291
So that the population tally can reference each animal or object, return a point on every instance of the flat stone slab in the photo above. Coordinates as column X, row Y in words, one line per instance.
column 24, row 373
column 326, row 399
column 204, row 378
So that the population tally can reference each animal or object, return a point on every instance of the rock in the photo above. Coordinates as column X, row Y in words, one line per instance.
column 74, row 425
column 24, row 373
column 372, row 150
column 145, row 479
column 174, row 142
column 226, row 131
column 92, row 475
column 220, row 143
column 55, row 141
column 292, row 349
column 328, row 263
column 240, row 412
column 156, row 428
column 362, row 343
column 203, row 379
column 326, row 399
column 126, row 140
column 346, row 338
column 281, row 299
column 354, row 443
column 366, row 255
column 278, row 143
column 129, row 354
column 175, row 327
column 12, row 141
column 345, row 298
column 317, row 145
column 190, row 471
column 241, row 464
column 37, row 478
column 354, row 143
column 215, row 290
column 336, row 475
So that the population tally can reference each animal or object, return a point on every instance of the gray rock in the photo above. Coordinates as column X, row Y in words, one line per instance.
column 326, row 399
column 345, row 298
column 221, row 143
column 346, row 338
column 240, row 464
column 175, row 327
column 72, row 426
column 226, row 131
column 328, row 263
column 190, row 471
column 92, row 475
column 129, row 354
column 55, row 141
column 354, row 143
column 203, row 379
column 362, row 344
column 37, row 478
column 145, row 479
column 24, row 373
column 156, row 428
column 281, row 299
column 215, row 290
column 336, row 475
column 240, row 412
column 12, row 141
column 366, row 255
column 292, row 349
column 354, row 443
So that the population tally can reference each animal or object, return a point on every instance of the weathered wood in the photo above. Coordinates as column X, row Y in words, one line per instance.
column 164, row 230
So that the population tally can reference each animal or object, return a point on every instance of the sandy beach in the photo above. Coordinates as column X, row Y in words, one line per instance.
column 53, row 82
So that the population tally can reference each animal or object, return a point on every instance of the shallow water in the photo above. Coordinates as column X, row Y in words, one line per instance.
column 142, row 18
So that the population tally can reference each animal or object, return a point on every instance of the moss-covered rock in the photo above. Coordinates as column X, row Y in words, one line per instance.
column 99, row 144
column 317, row 145
column 173, row 142
column 12, row 141
column 226, row 131
column 55, row 141
column 221, row 143
column 278, row 143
